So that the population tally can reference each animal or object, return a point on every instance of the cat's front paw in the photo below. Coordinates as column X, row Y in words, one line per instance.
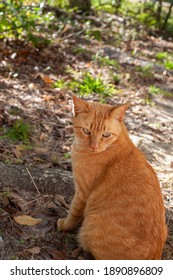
column 66, row 224
column 61, row 224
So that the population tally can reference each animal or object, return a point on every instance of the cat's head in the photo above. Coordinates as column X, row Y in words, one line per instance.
column 96, row 126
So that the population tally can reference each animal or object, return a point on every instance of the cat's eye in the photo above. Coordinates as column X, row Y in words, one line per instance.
column 106, row 134
column 86, row 131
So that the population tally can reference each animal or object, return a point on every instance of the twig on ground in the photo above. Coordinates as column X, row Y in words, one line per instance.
column 33, row 181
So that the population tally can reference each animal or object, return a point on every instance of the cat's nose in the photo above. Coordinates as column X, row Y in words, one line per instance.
column 94, row 146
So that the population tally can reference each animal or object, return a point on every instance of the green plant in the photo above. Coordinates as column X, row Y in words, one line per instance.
column 96, row 34
column 116, row 79
column 154, row 90
column 166, row 58
column 162, row 55
column 168, row 64
column 79, row 49
column 21, row 241
column 106, row 6
column 20, row 131
column 89, row 84
column 134, row 52
column 13, row 257
column 6, row 194
column 67, row 155
column 145, row 70
column 22, row 20
column 149, row 101
column 148, row 15
column 147, row 18
column 60, row 84
column 106, row 61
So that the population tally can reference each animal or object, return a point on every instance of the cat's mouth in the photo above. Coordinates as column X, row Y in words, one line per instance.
column 97, row 151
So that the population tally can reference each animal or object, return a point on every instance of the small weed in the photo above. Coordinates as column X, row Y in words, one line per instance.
column 20, row 131
column 106, row 61
column 167, row 93
column 146, row 19
column 134, row 52
column 60, row 84
column 149, row 101
column 162, row 55
column 89, row 84
column 168, row 64
column 6, row 194
column 14, row 111
column 70, row 71
column 96, row 34
column 66, row 241
column 78, row 50
column 166, row 59
column 7, row 161
column 116, row 79
column 21, row 241
column 110, row 62
column 67, row 155
column 14, row 258
column 154, row 90
column 144, row 70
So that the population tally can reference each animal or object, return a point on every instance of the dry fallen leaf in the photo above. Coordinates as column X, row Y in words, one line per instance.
column 57, row 254
column 46, row 79
column 27, row 220
column 5, row 201
column 19, row 200
column 51, row 204
column 66, row 28
column 60, row 199
column 17, row 152
column 81, row 258
column 76, row 252
column 35, row 250
column 89, row 64
column 49, row 97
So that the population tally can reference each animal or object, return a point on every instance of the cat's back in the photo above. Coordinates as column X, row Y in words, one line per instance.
column 126, row 204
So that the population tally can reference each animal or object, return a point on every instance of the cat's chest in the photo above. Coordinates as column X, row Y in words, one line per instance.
column 86, row 170
column 84, row 165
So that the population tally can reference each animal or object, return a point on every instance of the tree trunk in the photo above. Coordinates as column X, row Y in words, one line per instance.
column 117, row 5
column 168, row 15
column 159, row 11
column 83, row 5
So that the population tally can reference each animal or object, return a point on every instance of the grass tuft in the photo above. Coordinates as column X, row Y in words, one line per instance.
column 89, row 84
column 20, row 131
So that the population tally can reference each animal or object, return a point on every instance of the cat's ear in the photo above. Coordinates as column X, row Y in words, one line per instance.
column 119, row 112
column 80, row 106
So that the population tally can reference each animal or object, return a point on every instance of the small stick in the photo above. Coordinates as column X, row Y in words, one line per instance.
column 33, row 181
column 34, row 200
column 31, row 201
column 53, row 151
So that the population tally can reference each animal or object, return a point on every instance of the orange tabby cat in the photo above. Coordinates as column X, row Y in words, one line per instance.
column 117, row 195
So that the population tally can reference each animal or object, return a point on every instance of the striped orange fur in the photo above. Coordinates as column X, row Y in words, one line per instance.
column 117, row 197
